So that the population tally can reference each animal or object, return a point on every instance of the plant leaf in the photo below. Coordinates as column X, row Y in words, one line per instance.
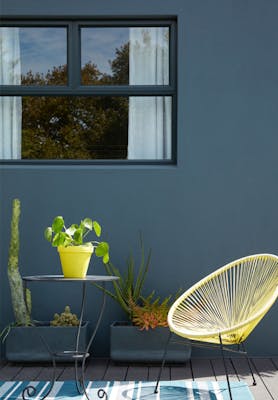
column 48, row 234
column 143, row 269
column 58, row 224
column 105, row 258
column 78, row 236
column 59, row 239
column 102, row 249
column 88, row 223
column 72, row 229
column 97, row 228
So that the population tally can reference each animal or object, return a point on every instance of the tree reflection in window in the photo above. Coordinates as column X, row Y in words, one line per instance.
column 74, row 127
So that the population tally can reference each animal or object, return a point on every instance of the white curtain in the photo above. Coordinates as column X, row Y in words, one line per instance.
column 10, row 107
column 149, row 130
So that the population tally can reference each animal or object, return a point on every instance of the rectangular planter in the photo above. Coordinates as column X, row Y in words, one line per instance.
column 129, row 343
column 25, row 343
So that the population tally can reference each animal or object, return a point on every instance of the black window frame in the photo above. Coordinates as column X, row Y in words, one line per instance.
column 74, row 86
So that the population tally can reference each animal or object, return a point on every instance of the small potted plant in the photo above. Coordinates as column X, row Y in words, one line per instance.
column 34, row 343
column 143, row 336
column 75, row 253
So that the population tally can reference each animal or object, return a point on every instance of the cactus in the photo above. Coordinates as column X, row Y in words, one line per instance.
column 66, row 318
column 21, row 308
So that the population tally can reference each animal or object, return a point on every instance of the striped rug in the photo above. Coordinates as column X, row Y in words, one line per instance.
column 133, row 390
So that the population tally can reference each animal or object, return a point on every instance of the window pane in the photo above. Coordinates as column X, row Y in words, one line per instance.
column 74, row 127
column 135, row 56
column 33, row 56
column 85, row 128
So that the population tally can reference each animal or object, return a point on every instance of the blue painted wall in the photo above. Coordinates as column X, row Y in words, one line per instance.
column 217, row 204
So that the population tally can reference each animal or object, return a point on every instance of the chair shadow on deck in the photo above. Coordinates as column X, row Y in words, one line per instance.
column 182, row 391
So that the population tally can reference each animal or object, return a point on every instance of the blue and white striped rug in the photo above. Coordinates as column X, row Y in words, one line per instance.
column 131, row 390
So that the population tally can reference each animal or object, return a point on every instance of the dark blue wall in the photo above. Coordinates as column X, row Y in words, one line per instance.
column 217, row 204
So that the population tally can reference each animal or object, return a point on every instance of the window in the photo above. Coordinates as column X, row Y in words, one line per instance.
column 87, row 91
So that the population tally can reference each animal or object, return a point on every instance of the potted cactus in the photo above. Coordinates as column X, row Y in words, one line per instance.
column 25, row 338
column 21, row 301
column 34, row 343
column 75, row 253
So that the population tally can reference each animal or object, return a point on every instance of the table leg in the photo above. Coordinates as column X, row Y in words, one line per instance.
column 30, row 390
column 101, row 392
column 78, row 381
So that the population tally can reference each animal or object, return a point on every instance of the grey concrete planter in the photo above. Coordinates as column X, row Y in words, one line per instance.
column 128, row 343
column 25, row 343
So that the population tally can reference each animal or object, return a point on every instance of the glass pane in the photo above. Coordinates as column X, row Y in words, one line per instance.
column 74, row 128
column 33, row 56
column 85, row 128
column 122, row 56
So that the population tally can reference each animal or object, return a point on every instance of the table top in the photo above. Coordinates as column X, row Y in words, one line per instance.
column 60, row 278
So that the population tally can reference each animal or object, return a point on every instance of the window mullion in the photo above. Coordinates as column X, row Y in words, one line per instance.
column 173, row 56
column 139, row 90
column 74, row 55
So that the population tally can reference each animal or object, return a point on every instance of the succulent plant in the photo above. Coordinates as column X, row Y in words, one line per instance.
column 152, row 313
column 66, row 318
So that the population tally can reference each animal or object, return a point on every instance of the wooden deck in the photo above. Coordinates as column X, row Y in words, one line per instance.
column 265, row 369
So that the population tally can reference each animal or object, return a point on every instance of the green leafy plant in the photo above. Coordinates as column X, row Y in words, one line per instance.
column 59, row 235
column 66, row 318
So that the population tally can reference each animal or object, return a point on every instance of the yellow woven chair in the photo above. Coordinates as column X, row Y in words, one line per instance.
column 224, row 307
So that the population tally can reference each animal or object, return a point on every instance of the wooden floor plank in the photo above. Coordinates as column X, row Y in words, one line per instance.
column 9, row 372
column 46, row 372
column 28, row 373
column 181, row 371
column 219, row 369
column 137, row 372
column 96, row 369
column 68, row 374
column 269, row 375
column 243, row 372
column 116, row 372
column 202, row 369
column 154, row 371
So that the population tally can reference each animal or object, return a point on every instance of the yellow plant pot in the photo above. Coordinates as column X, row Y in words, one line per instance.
column 75, row 260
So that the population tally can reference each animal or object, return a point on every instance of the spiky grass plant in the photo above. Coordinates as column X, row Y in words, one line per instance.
column 128, row 288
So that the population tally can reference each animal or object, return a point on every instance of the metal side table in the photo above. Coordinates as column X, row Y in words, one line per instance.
column 79, row 357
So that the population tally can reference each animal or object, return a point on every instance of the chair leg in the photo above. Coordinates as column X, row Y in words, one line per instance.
column 249, row 364
column 225, row 366
column 163, row 362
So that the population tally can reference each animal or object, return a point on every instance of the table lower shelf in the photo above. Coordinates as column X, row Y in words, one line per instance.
column 75, row 355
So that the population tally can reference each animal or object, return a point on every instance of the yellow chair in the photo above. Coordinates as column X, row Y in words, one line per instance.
column 224, row 307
